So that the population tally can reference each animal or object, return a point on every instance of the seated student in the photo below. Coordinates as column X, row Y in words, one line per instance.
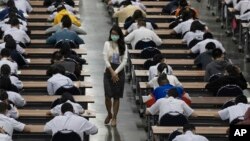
column 234, row 112
column 5, row 25
column 58, row 80
column 5, row 71
column 10, row 6
column 54, row 6
column 66, row 98
column 185, row 4
column 170, row 103
column 6, row 59
column 61, row 11
column 64, row 34
column 23, row 5
column 69, row 65
column 138, row 4
column 142, row 34
column 158, row 59
column 163, row 69
column 57, row 2
column 233, row 76
column 70, row 121
column 12, row 111
column 183, row 27
column 195, row 34
column 135, row 25
column 207, row 38
column 126, row 12
column 189, row 134
column 217, row 66
column 58, row 27
column 8, row 38
column 19, row 35
column 16, row 98
column 10, row 124
column 206, row 57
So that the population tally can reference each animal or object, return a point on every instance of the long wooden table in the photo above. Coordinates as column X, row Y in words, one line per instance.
column 35, row 3
column 191, row 73
column 160, row 25
column 48, row 99
column 43, row 84
column 169, row 61
column 47, row 51
column 163, row 51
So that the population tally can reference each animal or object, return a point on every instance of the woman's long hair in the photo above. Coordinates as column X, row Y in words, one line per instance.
column 120, row 42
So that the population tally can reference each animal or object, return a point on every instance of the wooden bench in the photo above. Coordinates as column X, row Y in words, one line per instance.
column 49, row 51
column 169, row 61
column 155, row 3
column 44, row 10
column 43, row 84
column 163, row 51
column 36, row 3
column 191, row 73
column 159, row 32
column 49, row 99
column 160, row 25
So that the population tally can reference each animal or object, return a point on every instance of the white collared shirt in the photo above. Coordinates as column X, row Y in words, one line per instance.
column 4, row 137
column 56, row 81
column 183, row 27
column 16, row 98
column 70, row 121
column 154, row 72
column 12, row 64
column 242, row 6
column 18, row 48
column 134, row 26
column 18, row 35
column 233, row 112
column 142, row 34
column 23, row 5
column 170, row 104
column 201, row 46
column 15, row 81
column 10, row 124
column 189, row 36
column 173, row 80
column 190, row 136
column 77, row 108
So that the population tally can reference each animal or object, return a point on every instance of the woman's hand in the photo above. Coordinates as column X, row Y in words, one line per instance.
column 115, row 77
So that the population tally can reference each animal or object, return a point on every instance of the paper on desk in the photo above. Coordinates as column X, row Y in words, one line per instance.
column 28, row 60
column 146, row 98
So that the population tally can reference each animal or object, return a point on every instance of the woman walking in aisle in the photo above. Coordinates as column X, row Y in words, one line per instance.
column 115, row 57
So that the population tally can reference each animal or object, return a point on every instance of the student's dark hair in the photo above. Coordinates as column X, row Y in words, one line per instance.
column 3, row 95
column 217, row 53
column 14, row 21
column 67, row 107
column 161, row 67
column 141, row 22
column 10, row 44
column 208, row 35
column 187, row 14
column 57, row 55
column 241, row 99
column 126, row 3
column 120, row 42
column 210, row 46
column 232, row 70
column 137, row 15
column 60, row 7
column 5, row 70
column 158, row 58
column 10, row 3
column 3, row 107
column 187, row 127
column 67, row 96
column 173, row 92
column 197, row 25
column 58, row 69
column 7, row 37
column 162, row 79
column 183, row 3
column 5, row 83
column 5, row 52
column 66, row 21
column 65, row 49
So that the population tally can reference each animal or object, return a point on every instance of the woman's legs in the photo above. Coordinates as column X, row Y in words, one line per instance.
column 116, row 104
column 108, row 104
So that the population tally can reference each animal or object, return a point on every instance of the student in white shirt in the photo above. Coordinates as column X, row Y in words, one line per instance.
column 159, row 58
column 18, row 34
column 170, row 104
column 242, row 6
column 142, row 34
column 66, row 98
column 9, row 38
column 58, row 80
column 163, row 68
column 236, row 111
column 6, row 59
column 5, row 71
column 189, row 134
column 23, row 5
column 201, row 46
column 115, row 55
column 16, row 98
column 10, row 124
column 12, row 111
column 70, row 121
column 135, row 26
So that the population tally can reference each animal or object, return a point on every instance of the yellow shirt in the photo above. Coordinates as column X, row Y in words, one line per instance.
column 63, row 12
column 125, row 12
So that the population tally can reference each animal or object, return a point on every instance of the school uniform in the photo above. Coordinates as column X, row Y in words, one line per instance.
column 18, row 35
column 59, row 27
column 154, row 72
column 183, row 27
column 142, row 34
column 189, row 36
column 18, row 48
column 12, row 64
column 201, row 46
column 233, row 112
column 77, row 108
column 5, row 137
column 242, row 6
column 16, row 82
column 23, row 5
column 56, row 81
column 10, row 124
column 16, row 98
column 170, row 104
column 190, row 136
column 134, row 26
column 72, row 122
column 162, row 91
column 11, row 111
column 173, row 80
column 6, row 27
